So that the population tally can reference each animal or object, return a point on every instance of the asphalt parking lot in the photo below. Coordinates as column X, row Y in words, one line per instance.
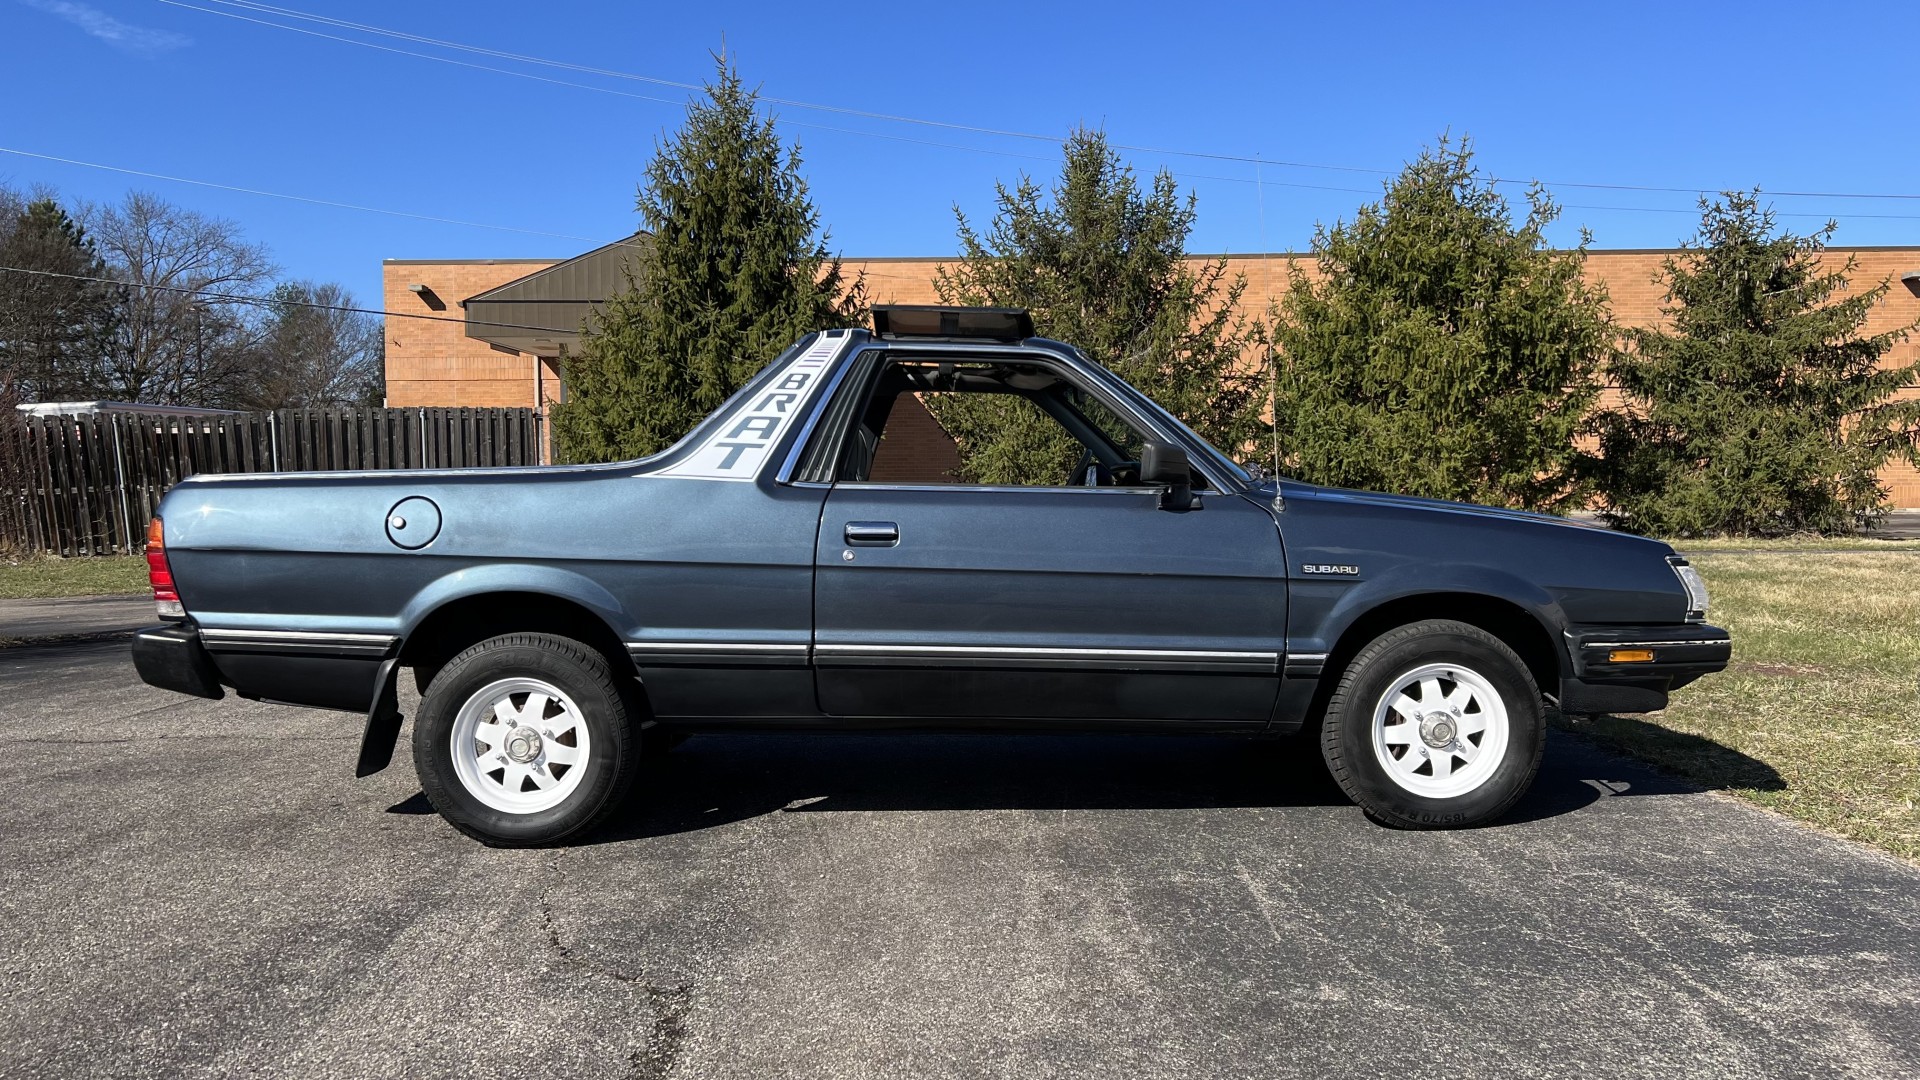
column 201, row 889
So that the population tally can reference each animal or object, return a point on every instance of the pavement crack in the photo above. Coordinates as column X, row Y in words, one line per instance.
column 1261, row 902
column 656, row 1057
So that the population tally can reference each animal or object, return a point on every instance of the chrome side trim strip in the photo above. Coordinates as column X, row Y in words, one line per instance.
column 316, row 642
column 1304, row 665
column 759, row 654
column 312, row 636
column 711, row 646
column 1653, row 644
column 1194, row 661
column 716, row 654
column 1022, row 650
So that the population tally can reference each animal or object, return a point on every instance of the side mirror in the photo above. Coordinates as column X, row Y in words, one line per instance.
column 1165, row 463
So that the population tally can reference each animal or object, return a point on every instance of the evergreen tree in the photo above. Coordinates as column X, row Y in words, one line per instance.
column 1442, row 350
column 1100, row 262
column 735, row 270
column 55, row 331
column 1761, row 409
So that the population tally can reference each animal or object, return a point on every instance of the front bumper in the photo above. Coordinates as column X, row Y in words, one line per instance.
column 172, row 658
column 1599, row 684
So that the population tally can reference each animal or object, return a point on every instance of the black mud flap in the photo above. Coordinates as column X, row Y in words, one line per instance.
column 383, row 721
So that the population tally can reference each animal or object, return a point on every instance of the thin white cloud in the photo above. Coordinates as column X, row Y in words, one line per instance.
column 123, row 36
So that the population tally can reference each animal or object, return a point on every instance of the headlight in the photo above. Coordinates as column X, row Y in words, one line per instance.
column 1696, row 588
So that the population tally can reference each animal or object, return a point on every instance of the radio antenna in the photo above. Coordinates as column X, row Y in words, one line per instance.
column 1273, row 357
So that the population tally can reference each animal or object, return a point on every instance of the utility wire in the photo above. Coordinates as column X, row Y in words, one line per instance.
column 266, row 301
column 563, row 82
column 665, row 101
column 294, row 198
column 333, row 204
column 1782, row 213
column 292, row 13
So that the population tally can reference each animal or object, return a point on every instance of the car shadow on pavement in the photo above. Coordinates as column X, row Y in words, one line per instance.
column 1706, row 764
column 715, row 780
column 413, row 805
column 718, row 779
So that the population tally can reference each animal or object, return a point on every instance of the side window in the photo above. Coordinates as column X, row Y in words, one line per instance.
column 995, row 423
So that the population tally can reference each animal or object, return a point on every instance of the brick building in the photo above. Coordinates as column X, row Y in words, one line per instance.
column 523, row 314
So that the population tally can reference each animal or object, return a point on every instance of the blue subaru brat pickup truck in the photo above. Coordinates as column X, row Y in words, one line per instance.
column 795, row 563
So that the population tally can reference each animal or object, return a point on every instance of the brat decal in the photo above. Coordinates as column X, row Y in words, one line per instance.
column 736, row 450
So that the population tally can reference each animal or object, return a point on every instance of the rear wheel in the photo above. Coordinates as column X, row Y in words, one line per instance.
column 525, row 740
column 1435, row 725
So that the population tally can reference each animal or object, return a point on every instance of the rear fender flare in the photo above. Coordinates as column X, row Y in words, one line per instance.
column 382, row 731
column 523, row 578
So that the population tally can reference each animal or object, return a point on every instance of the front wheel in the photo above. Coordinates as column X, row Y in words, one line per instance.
column 525, row 740
column 1435, row 725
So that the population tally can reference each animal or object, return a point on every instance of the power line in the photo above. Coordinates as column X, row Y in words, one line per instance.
column 283, row 195
column 267, row 301
column 585, row 69
column 665, row 101
column 292, row 13
column 1678, row 210
column 386, row 211
column 1703, row 191
column 573, row 85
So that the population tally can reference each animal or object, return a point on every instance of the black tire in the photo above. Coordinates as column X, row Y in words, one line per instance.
column 606, row 707
column 1347, row 731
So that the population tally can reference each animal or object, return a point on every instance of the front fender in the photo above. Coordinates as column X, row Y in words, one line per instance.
column 1426, row 578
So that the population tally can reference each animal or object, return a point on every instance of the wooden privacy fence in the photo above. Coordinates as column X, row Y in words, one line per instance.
column 87, row 485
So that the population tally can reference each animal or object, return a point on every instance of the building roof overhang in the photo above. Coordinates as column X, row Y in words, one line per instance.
column 544, row 312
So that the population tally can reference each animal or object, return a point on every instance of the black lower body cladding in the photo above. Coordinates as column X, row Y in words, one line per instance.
column 172, row 658
column 1600, row 683
column 286, row 668
column 318, row 682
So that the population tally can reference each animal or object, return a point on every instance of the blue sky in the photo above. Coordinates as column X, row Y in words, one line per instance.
column 1791, row 97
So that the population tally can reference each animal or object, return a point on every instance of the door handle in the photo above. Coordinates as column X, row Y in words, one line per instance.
column 872, row 533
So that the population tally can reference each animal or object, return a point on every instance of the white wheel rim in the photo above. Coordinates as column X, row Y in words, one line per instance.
column 1440, row 730
column 520, row 746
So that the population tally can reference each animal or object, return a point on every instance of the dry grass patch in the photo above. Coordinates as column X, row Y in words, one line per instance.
column 43, row 576
column 1796, row 544
column 1821, row 693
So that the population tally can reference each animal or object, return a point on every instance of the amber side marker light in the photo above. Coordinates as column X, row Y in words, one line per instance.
column 1630, row 656
column 166, row 599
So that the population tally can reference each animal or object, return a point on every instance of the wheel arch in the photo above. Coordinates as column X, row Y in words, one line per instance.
column 1521, row 630
column 1525, row 631
column 439, row 632
column 450, row 628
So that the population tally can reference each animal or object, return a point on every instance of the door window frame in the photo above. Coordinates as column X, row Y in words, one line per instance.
column 822, row 443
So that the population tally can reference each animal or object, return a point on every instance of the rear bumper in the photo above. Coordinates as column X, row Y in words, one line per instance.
column 319, row 669
column 172, row 658
column 1599, row 684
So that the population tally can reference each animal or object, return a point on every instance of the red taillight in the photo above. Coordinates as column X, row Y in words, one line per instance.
column 159, row 575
